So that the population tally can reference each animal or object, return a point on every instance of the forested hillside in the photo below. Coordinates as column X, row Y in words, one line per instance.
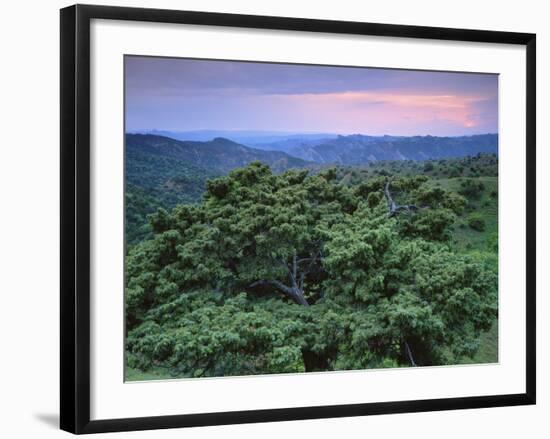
column 219, row 154
column 164, row 172
column 382, row 264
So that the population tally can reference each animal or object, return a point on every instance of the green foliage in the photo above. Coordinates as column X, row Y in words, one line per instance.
column 153, row 182
column 428, row 167
column 299, row 272
column 465, row 167
column 476, row 222
column 139, row 204
column 471, row 188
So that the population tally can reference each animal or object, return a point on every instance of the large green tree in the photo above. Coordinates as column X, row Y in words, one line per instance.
column 297, row 272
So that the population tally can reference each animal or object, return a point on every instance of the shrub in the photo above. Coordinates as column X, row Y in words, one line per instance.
column 476, row 222
column 455, row 172
column 492, row 242
column 471, row 188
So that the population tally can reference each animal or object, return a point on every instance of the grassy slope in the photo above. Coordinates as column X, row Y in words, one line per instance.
column 152, row 374
column 468, row 240
column 488, row 350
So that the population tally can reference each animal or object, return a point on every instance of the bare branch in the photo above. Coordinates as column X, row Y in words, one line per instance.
column 273, row 283
column 294, row 293
column 394, row 208
column 301, row 283
column 294, row 268
column 283, row 263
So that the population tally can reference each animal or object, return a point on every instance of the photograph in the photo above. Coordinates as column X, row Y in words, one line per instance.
column 267, row 220
column 289, row 218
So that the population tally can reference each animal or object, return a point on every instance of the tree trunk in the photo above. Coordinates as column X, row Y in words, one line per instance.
column 297, row 275
column 394, row 208
column 297, row 291
column 299, row 297
column 294, row 293
column 409, row 354
column 315, row 362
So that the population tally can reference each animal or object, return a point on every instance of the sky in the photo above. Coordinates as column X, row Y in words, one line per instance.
column 178, row 94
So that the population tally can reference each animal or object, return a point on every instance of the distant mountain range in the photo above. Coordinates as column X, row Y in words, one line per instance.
column 218, row 154
column 175, row 168
column 245, row 146
column 162, row 172
column 267, row 140
column 359, row 149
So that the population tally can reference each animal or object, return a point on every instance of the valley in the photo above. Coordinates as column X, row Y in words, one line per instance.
column 162, row 172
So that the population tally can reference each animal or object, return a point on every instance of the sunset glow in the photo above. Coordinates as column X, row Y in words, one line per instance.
column 182, row 94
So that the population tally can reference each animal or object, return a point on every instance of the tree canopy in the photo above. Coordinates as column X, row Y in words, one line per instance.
column 298, row 272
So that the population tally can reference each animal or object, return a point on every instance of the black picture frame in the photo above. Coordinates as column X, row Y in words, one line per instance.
column 75, row 217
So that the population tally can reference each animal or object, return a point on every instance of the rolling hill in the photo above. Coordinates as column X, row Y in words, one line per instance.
column 266, row 140
column 219, row 154
column 164, row 172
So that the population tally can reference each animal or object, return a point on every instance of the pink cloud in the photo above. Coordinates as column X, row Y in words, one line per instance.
column 378, row 110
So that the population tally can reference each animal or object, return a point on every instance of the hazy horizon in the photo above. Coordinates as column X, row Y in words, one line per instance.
column 185, row 95
column 294, row 133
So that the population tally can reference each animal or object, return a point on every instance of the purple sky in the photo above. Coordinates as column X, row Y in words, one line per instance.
column 184, row 95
